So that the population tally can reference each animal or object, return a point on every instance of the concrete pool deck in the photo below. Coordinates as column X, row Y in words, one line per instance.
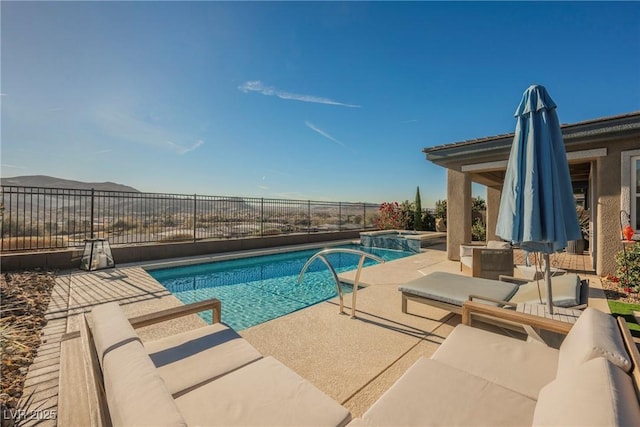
column 352, row 360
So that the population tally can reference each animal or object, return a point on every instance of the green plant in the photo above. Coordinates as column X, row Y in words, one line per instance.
column 428, row 221
column 583, row 220
column 391, row 217
column 628, row 267
column 478, row 230
column 417, row 213
column 441, row 209
column 626, row 310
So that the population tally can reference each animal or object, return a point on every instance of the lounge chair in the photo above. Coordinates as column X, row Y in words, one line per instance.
column 479, row 378
column 450, row 291
column 206, row 376
column 489, row 261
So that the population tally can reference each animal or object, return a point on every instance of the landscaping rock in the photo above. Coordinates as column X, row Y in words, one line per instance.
column 24, row 298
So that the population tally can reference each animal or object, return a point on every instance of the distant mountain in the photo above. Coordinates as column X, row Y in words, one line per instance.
column 52, row 182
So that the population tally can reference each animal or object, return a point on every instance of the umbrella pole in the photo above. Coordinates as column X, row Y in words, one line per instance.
column 547, row 276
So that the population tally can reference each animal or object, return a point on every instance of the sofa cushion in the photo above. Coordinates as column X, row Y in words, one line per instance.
column 565, row 291
column 467, row 261
column 522, row 366
column 432, row 393
column 597, row 393
column 263, row 393
column 191, row 358
column 135, row 393
column 595, row 334
column 455, row 288
column 113, row 328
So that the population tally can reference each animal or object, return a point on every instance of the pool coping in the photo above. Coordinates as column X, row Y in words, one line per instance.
column 227, row 256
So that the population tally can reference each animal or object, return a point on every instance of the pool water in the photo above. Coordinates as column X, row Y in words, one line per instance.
column 257, row 289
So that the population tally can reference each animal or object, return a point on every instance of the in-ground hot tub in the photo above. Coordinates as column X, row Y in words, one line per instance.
column 401, row 240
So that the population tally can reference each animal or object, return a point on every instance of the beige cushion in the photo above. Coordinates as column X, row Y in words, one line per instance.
column 467, row 261
column 135, row 393
column 263, row 393
column 467, row 250
column 597, row 393
column 432, row 393
column 113, row 328
column 498, row 244
column 595, row 334
column 188, row 359
column 565, row 290
column 518, row 365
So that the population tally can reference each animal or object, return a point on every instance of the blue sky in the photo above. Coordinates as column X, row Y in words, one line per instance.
column 321, row 101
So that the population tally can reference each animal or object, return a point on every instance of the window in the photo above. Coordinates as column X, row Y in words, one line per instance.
column 630, row 191
column 635, row 192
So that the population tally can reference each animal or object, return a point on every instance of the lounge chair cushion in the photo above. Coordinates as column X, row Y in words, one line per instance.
column 263, row 393
column 565, row 290
column 595, row 334
column 432, row 393
column 598, row 393
column 455, row 288
column 135, row 393
column 522, row 366
column 191, row 358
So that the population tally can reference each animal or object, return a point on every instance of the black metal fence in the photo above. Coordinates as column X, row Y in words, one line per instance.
column 47, row 218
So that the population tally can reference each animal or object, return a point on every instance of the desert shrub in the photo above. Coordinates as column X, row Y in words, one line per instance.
column 628, row 267
column 428, row 221
column 478, row 230
column 177, row 237
column 270, row 232
column 441, row 209
column 390, row 216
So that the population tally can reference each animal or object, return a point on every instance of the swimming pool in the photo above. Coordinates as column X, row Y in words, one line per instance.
column 257, row 289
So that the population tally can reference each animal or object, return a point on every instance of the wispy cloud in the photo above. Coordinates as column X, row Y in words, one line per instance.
column 6, row 165
column 129, row 127
column 103, row 151
column 409, row 121
column 323, row 133
column 258, row 86
column 181, row 149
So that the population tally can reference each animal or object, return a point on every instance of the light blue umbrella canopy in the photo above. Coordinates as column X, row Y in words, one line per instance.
column 537, row 207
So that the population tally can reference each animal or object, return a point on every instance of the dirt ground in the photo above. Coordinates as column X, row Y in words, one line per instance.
column 24, row 297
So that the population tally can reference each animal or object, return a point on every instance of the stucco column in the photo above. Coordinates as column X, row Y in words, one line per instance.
column 458, row 212
column 493, row 206
column 608, row 183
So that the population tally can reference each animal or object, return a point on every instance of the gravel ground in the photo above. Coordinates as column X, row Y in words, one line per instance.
column 615, row 292
column 24, row 298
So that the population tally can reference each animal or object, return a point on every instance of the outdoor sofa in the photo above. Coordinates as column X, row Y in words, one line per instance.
column 487, row 261
column 480, row 378
column 206, row 376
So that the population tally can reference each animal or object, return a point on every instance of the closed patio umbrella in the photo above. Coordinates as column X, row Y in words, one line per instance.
column 537, row 208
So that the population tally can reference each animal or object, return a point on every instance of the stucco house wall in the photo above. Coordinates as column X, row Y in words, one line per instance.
column 598, row 151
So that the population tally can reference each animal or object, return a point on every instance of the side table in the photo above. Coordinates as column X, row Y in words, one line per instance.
column 561, row 314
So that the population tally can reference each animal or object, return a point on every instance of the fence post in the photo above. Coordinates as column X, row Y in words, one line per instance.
column 92, row 213
column 195, row 204
column 261, row 216
column 309, row 216
column 364, row 215
column 339, row 216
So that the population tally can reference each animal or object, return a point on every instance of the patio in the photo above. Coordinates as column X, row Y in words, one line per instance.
column 352, row 360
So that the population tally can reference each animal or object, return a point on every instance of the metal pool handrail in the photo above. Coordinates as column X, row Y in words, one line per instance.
column 321, row 256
